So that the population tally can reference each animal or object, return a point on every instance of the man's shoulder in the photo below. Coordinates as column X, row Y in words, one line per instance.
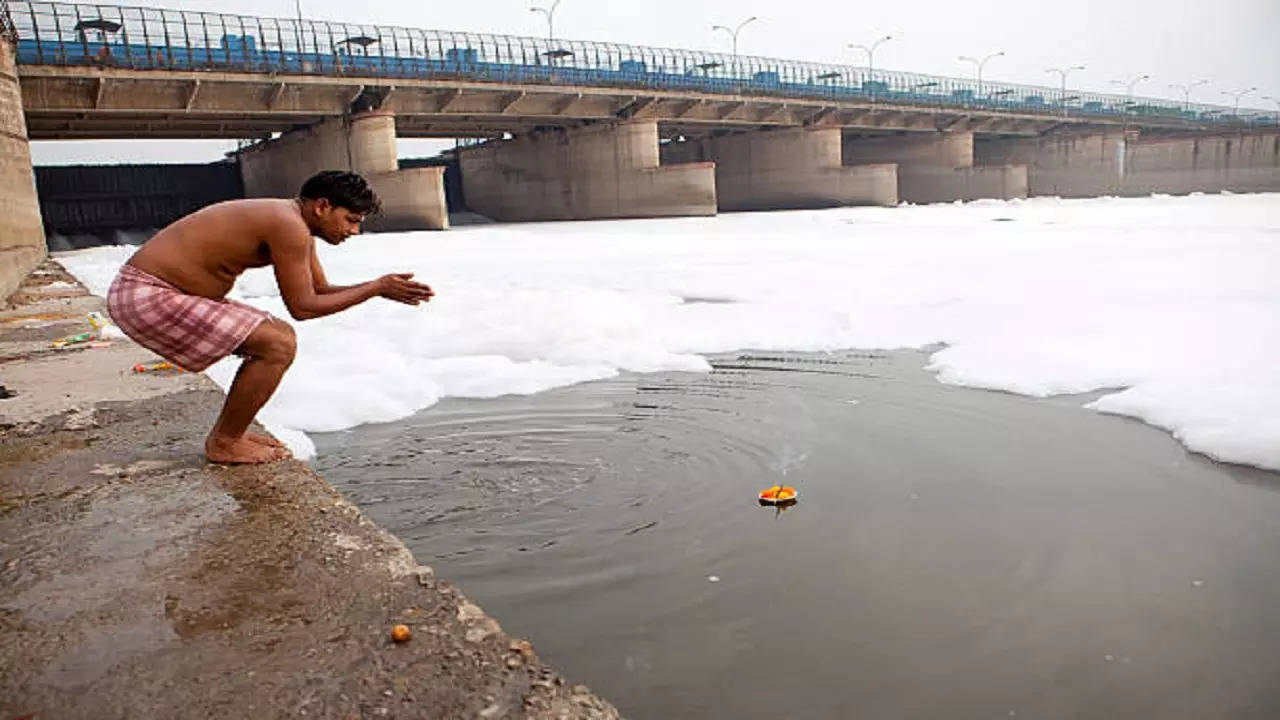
column 273, row 216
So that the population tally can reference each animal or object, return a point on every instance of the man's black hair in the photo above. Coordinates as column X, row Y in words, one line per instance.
column 343, row 189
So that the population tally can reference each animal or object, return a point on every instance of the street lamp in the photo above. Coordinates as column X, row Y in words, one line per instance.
column 981, row 63
column 1186, row 91
column 1128, row 88
column 871, row 54
column 550, row 12
column 1063, row 72
column 1237, row 95
column 734, row 32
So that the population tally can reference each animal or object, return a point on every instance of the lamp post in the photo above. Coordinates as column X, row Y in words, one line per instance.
column 1237, row 95
column 1186, row 91
column 297, row 5
column 1128, row 86
column 871, row 54
column 733, row 33
column 981, row 64
column 550, row 12
column 1062, row 73
column 1128, row 94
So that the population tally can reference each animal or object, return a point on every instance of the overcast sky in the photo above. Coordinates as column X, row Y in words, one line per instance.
column 1233, row 43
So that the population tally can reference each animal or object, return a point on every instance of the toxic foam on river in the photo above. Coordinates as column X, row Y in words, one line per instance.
column 1173, row 303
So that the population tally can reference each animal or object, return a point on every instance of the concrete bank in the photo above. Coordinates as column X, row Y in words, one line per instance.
column 136, row 580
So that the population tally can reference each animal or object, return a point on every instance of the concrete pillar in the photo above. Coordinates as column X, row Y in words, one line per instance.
column 412, row 199
column 610, row 170
column 1239, row 162
column 22, row 245
column 911, row 150
column 1073, row 165
column 1109, row 163
column 786, row 169
column 938, row 167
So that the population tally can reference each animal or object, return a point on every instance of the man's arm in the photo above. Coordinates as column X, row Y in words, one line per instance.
column 292, row 252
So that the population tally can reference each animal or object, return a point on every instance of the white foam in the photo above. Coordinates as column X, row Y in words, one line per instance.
column 1172, row 298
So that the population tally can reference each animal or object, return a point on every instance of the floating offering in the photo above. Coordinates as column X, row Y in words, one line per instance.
column 778, row 494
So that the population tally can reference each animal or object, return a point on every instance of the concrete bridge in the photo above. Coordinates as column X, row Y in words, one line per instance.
column 589, row 130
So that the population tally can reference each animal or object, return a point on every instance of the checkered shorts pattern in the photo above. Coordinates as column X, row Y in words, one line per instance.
column 188, row 330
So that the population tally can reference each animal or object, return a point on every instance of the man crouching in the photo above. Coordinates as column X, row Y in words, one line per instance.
column 171, row 295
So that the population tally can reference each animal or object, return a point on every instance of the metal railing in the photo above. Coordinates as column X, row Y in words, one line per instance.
column 7, row 29
column 155, row 39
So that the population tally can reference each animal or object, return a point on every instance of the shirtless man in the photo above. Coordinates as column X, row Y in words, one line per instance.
column 171, row 295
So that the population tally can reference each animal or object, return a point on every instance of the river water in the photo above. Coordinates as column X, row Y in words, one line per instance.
column 955, row 553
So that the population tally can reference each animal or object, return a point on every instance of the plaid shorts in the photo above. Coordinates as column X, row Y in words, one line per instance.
column 189, row 330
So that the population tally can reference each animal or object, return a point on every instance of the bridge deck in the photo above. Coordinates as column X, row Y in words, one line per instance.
column 108, row 71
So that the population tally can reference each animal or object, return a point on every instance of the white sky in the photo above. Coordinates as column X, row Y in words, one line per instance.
column 1233, row 43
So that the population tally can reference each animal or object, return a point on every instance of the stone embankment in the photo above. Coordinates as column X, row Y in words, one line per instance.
column 139, row 581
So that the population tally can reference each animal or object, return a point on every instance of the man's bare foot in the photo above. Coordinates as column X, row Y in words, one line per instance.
column 264, row 440
column 240, row 450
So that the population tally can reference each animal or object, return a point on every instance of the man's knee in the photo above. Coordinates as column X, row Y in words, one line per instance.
column 285, row 346
column 274, row 341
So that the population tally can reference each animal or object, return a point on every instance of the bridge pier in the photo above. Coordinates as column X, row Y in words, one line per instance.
column 938, row 167
column 608, row 170
column 412, row 199
column 791, row 168
column 22, row 244
column 1109, row 163
column 1064, row 165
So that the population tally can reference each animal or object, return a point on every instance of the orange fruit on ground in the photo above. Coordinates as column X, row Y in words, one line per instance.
column 401, row 633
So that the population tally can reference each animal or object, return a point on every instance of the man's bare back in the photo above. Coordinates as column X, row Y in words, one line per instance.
column 170, row 295
column 204, row 252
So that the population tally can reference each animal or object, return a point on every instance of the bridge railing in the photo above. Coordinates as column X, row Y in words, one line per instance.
column 53, row 33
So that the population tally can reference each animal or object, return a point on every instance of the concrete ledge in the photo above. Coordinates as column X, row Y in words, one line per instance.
column 138, row 581
column 931, row 185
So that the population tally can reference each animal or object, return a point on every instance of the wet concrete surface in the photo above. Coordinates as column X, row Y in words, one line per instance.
column 137, row 580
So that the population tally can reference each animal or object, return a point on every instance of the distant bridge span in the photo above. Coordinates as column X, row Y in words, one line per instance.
column 93, row 71
column 578, row 130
